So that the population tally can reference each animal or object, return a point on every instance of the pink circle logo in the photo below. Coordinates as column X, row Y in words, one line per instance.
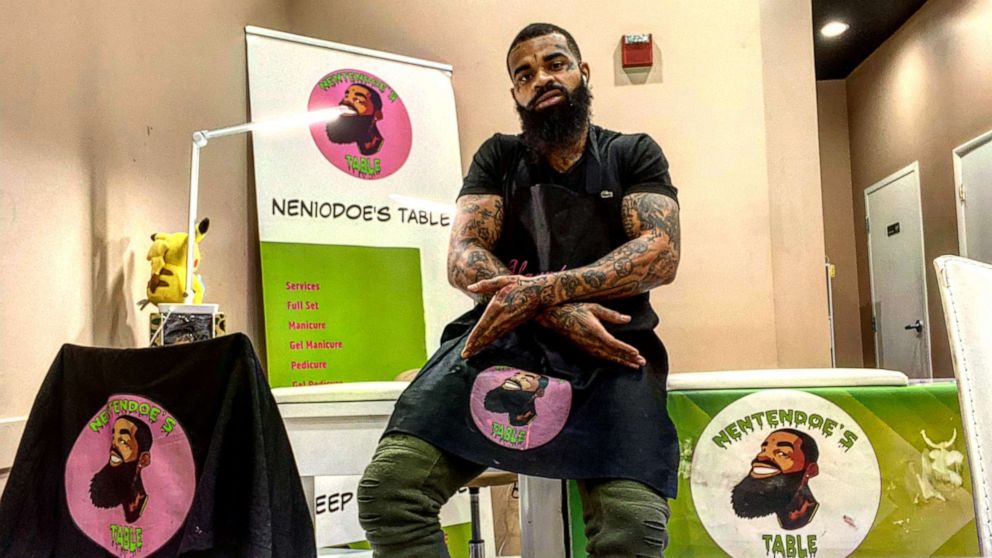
column 518, row 409
column 375, row 142
column 130, row 477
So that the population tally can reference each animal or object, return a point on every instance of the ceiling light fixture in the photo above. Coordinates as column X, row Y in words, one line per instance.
column 834, row 28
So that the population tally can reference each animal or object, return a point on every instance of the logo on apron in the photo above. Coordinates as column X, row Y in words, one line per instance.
column 785, row 473
column 518, row 409
column 130, row 477
column 374, row 142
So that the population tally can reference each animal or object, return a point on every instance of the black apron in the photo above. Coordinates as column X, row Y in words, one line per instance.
column 533, row 402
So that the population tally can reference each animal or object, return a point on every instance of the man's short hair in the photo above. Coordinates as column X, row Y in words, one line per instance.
column 809, row 448
column 142, row 433
column 373, row 94
column 535, row 30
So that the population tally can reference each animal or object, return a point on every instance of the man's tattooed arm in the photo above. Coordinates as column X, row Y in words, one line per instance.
column 649, row 259
column 478, row 224
column 476, row 229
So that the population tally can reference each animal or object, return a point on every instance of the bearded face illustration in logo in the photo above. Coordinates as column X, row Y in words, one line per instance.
column 360, row 128
column 118, row 483
column 516, row 397
column 779, row 480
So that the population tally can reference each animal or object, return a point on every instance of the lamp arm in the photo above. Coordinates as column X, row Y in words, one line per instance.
column 199, row 140
column 228, row 131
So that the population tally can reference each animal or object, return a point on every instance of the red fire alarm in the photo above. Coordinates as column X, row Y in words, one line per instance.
column 637, row 50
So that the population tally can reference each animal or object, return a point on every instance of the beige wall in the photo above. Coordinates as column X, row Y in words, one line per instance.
column 801, row 319
column 925, row 91
column 704, row 102
column 98, row 102
column 97, row 105
column 838, row 218
column 45, row 200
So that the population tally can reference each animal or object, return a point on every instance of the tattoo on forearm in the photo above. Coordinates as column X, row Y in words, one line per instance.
column 649, row 259
column 542, row 290
column 623, row 267
column 570, row 283
column 474, row 233
column 594, row 279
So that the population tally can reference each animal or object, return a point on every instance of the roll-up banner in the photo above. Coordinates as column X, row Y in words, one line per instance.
column 353, row 214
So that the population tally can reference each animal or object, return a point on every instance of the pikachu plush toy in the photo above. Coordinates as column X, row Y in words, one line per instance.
column 168, row 259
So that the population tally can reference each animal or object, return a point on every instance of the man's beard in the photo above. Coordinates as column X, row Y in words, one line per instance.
column 559, row 125
column 113, row 486
column 513, row 402
column 760, row 497
column 352, row 129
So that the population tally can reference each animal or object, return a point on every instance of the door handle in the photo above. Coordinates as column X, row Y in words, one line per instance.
column 918, row 326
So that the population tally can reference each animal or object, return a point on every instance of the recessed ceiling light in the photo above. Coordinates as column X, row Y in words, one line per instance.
column 834, row 28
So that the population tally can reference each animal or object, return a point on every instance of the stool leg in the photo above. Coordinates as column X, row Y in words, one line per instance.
column 476, row 546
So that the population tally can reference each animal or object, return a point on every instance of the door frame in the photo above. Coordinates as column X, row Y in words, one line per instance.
column 913, row 168
column 958, row 154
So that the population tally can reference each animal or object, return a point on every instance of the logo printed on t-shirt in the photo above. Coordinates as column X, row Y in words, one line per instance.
column 130, row 477
column 518, row 409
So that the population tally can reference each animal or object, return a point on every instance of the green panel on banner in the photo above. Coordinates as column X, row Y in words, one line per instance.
column 327, row 308
column 895, row 455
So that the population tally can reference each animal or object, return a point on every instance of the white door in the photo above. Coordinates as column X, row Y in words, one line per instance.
column 897, row 268
column 973, row 176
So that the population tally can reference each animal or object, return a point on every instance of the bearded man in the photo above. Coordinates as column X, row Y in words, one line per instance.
column 516, row 397
column 593, row 214
column 779, row 480
column 118, row 483
column 360, row 128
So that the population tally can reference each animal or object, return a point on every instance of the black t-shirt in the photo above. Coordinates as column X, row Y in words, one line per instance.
column 612, row 166
column 615, row 422
column 637, row 161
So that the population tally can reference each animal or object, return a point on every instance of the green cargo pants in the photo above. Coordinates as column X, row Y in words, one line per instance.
column 408, row 481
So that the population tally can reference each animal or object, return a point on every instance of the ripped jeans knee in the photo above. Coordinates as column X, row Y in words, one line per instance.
column 624, row 519
column 401, row 493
